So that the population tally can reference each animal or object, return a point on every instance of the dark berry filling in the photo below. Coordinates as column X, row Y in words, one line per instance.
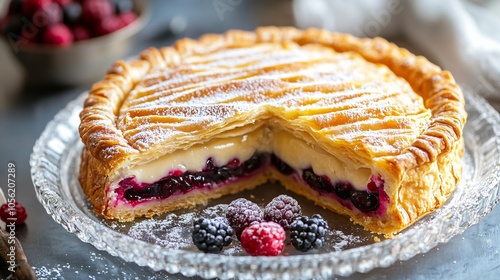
column 365, row 201
column 320, row 183
column 371, row 200
column 178, row 182
column 281, row 166
column 343, row 190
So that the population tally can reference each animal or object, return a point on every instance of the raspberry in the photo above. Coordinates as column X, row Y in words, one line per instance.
column 241, row 213
column 16, row 211
column 62, row 3
column 58, row 35
column 308, row 233
column 108, row 25
column 30, row 7
column 94, row 11
column 282, row 210
column 52, row 13
column 263, row 239
column 128, row 18
column 211, row 235
column 80, row 33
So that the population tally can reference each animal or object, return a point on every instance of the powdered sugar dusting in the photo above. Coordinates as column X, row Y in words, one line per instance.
column 339, row 240
column 51, row 273
column 98, row 266
column 173, row 231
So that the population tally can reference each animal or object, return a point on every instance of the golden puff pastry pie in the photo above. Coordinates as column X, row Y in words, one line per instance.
column 359, row 126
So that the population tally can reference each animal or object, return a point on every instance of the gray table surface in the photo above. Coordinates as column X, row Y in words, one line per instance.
column 57, row 254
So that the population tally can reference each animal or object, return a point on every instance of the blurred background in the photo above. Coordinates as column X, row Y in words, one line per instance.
column 51, row 51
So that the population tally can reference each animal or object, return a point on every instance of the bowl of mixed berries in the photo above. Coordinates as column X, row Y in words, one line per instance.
column 70, row 42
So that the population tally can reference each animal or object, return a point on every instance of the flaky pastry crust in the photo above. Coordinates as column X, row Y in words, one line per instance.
column 418, row 178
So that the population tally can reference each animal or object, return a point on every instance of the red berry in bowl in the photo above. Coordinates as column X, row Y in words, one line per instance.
column 128, row 18
column 62, row 3
column 108, row 25
column 30, row 7
column 263, row 239
column 52, row 14
column 58, row 35
column 16, row 213
column 80, row 33
column 94, row 11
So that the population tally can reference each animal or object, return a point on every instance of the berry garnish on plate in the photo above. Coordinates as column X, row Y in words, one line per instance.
column 211, row 235
column 263, row 239
column 241, row 213
column 283, row 210
column 16, row 214
column 308, row 233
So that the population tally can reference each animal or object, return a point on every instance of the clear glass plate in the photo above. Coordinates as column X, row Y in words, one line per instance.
column 163, row 243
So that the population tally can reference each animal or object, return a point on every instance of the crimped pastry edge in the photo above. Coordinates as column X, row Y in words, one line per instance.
column 440, row 145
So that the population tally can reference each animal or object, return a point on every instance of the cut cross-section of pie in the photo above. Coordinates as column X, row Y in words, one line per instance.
column 359, row 126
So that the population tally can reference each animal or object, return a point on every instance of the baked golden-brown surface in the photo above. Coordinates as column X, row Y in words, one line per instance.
column 365, row 102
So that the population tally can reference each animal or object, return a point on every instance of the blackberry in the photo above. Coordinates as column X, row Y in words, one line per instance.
column 365, row 201
column 308, row 233
column 211, row 235
column 241, row 213
column 282, row 210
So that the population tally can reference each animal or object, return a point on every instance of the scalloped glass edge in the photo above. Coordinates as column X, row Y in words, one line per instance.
column 482, row 129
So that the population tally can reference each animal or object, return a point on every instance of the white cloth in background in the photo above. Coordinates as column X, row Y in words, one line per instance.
column 460, row 36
